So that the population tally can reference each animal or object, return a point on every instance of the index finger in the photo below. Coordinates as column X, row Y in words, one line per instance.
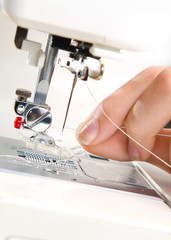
column 97, row 128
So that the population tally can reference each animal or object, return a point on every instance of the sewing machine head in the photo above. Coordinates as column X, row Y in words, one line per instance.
column 85, row 35
column 36, row 115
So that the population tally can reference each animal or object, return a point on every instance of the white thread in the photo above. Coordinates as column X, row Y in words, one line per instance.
column 159, row 134
column 120, row 129
column 163, row 135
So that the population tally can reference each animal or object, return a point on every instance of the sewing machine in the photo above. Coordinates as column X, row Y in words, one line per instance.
column 49, row 187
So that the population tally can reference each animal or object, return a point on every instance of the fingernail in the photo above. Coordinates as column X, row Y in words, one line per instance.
column 88, row 133
column 133, row 152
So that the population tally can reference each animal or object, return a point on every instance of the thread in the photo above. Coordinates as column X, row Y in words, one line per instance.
column 121, row 129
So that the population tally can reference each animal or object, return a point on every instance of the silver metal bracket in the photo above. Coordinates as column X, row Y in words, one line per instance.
column 83, row 67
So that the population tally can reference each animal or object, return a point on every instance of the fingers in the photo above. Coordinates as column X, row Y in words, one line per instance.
column 143, row 105
column 114, row 147
column 161, row 149
column 97, row 128
column 149, row 115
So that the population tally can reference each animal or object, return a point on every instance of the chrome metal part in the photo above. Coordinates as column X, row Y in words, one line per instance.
column 45, row 73
column 20, row 109
column 40, row 140
column 95, row 67
column 74, row 43
column 38, row 119
column 158, row 179
column 37, row 116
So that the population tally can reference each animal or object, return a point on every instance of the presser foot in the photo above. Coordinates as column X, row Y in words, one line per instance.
column 40, row 142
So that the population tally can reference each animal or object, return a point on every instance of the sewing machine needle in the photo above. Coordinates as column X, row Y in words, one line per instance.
column 72, row 89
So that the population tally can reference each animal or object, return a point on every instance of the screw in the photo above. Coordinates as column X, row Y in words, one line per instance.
column 20, row 109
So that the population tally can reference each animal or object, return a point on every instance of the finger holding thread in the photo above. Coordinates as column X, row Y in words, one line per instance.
column 162, row 150
column 149, row 115
column 97, row 128
column 115, row 143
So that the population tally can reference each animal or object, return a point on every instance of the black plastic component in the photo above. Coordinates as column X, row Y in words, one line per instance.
column 82, row 48
column 97, row 157
column 21, row 34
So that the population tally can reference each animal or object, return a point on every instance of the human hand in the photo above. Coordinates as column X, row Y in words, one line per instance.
column 142, row 108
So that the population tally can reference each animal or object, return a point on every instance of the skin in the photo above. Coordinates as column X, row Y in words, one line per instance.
column 142, row 107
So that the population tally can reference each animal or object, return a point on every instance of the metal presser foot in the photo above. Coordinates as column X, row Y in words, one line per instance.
column 34, row 117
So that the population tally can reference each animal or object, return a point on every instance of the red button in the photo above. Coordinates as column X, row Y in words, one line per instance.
column 18, row 122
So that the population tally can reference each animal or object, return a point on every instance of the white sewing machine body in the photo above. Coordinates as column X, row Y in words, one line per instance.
column 108, row 25
column 96, row 198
